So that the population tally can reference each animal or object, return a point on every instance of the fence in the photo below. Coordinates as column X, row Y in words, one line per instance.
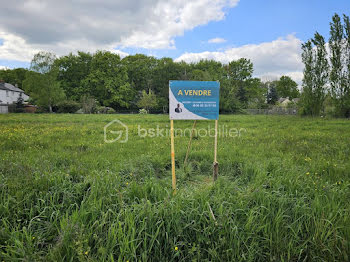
column 273, row 111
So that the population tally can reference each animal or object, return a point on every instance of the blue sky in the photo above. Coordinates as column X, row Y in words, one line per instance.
column 173, row 28
column 257, row 21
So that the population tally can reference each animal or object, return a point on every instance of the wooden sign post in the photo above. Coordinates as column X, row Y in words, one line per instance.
column 173, row 177
column 193, row 100
column 215, row 164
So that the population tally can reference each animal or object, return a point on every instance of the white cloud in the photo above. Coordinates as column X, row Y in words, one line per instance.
column 17, row 49
column 172, row 18
column 65, row 26
column 3, row 67
column 216, row 40
column 270, row 59
column 120, row 53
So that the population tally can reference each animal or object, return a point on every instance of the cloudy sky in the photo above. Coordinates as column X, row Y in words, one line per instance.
column 269, row 32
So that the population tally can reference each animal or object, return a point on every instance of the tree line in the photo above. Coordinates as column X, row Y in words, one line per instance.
column 326, row 83
column 103, row 79
column 105, row 82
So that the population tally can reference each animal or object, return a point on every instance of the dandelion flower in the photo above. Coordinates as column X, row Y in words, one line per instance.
column 86, row 252
column 176, row 248
column 126, row 183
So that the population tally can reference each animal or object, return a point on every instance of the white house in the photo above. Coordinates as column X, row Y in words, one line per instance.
column 9, row 94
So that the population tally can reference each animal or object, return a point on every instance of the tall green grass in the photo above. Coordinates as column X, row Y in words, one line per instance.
column 283, row 191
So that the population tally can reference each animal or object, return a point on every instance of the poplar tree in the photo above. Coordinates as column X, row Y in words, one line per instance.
column 347, row 66
column 321, row 69
column 308, row 82
column 337, row 64
column 314, row 57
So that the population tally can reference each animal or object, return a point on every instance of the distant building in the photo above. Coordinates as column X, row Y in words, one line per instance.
column 9, row 94
column 296, row 100
column 285, row 102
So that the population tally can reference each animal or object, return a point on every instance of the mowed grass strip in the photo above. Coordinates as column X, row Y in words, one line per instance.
column 283, row 191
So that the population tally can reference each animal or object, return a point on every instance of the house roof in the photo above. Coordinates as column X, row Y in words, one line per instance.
column 9, row 87
column 281, row 99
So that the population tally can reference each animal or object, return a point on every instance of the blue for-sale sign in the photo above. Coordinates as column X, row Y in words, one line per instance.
column 194, row 100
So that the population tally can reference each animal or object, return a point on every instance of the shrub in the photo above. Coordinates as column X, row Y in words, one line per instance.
column 105, row 110
column 110, row 111
column 143, row 111
column 68, row 106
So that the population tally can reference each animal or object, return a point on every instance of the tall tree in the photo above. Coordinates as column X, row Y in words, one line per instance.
column 337, row 62
column 239, row 72
column 347, row 66
column 41, row 81
column 307, row 57
column 314, row 57
column 321, row 72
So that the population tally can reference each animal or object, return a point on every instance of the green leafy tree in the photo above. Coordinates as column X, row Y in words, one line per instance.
column 347, row 66
column 314, row 57
column 41, row 81
column 338, row 83
column 165, row 70
column 140, row 70
column 228, row 99
column 200, row 75
column 108, row 81
column 73, row 69
column 14, row 76
column 147, row 100
column 235, row 82
column 256, row 93
column 242, row 94
column 240, row 70
column 286, row 87
column 207, row 70
column 321, row 72
column 308, row 81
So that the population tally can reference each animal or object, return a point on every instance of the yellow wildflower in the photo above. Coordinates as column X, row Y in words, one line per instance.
column 176, row 248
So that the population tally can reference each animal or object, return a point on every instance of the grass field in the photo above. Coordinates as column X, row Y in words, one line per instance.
column 283, row 191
